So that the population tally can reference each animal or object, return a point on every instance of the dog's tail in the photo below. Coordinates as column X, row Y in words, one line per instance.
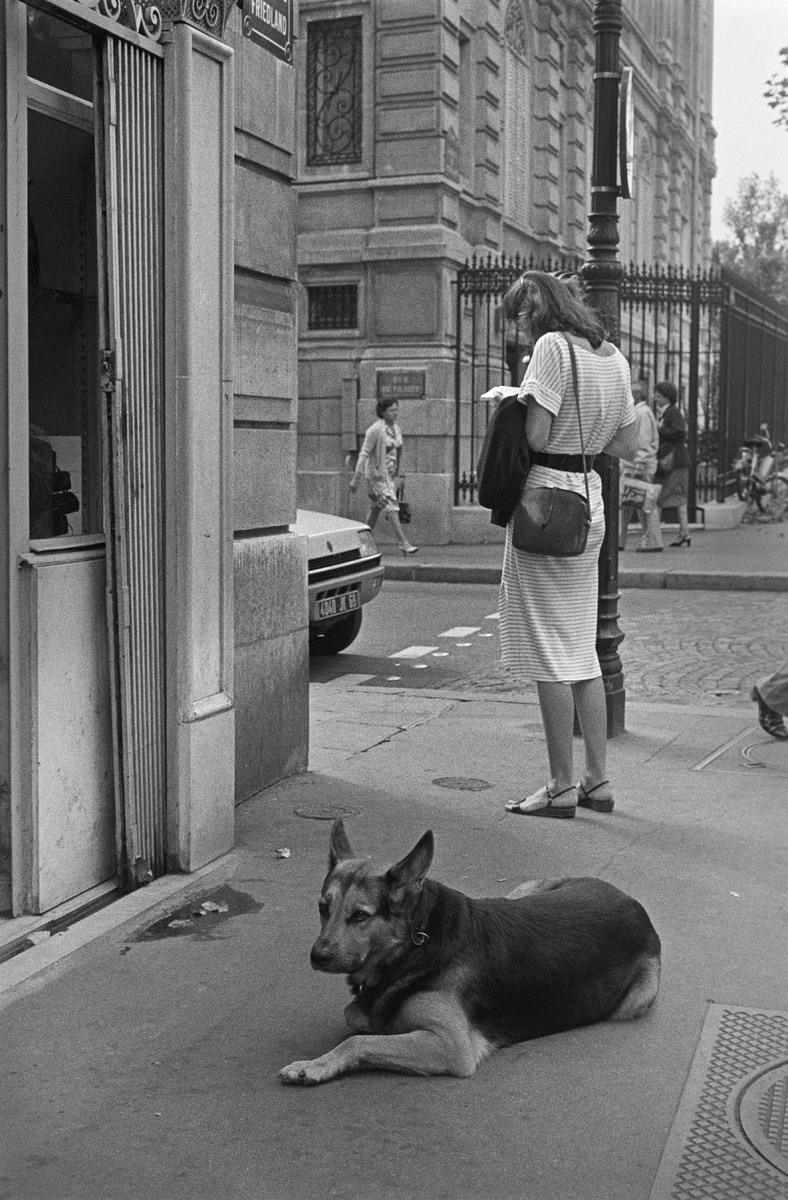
column 642, row 991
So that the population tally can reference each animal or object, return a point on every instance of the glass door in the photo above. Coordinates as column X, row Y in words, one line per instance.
column 65, row 455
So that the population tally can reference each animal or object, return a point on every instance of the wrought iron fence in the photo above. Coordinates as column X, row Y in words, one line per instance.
column 489, row 351
column 669, row 330
column 720, row 341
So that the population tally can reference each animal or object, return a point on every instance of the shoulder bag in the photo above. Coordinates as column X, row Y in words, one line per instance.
column 555, row 521
column 665, row 464
column 405, row 514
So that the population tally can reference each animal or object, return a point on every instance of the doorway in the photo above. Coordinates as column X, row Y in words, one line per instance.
column 92, row 601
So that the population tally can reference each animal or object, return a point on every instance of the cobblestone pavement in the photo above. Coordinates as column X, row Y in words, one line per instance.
column 701, row 647
column 680, row 647
column 692, row 647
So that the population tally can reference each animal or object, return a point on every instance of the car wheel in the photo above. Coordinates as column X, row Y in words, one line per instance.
column 337, row 637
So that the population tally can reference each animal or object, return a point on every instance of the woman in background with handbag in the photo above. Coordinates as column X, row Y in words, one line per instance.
column 379, row 462
column 643, row 468
column 673, row 458
column 548, row 604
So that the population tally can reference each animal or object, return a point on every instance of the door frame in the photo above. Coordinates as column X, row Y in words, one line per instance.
column 14, row 510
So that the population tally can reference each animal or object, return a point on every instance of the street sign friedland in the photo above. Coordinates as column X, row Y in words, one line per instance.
column 270, row 23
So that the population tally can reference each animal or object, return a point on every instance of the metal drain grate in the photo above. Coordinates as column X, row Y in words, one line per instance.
column 728, row 1139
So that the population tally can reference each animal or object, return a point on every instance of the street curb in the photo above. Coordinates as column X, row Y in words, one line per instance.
column 712, row 581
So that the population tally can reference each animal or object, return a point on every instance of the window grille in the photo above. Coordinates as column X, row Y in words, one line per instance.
column 333, row 92
column 333, row 307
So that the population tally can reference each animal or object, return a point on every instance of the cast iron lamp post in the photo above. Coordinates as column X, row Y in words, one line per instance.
column 602, row 275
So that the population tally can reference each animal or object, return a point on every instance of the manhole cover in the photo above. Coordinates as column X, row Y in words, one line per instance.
column 763, row 1115
column 771, row 754
column 459, row 784
column 326, row 812
column 728, row 1140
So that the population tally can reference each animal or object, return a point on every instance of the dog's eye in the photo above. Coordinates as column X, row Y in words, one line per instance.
column 322, row 908
column 359, row 916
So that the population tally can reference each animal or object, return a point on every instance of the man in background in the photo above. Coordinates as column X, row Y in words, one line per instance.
column 643, row 467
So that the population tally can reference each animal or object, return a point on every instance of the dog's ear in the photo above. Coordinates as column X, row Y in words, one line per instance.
column 406, row 877
column 338, row 846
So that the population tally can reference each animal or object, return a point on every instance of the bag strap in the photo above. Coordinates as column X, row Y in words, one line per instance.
column 573, row 361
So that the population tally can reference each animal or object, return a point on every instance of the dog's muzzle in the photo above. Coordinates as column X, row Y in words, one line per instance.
column 321, row 960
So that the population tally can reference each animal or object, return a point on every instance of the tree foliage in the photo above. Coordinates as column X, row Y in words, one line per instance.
column 758, row 249
column 777, row 92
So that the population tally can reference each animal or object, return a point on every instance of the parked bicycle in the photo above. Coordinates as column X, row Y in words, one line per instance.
column 760, row 480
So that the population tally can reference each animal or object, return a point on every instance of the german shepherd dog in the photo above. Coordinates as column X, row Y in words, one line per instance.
column 441, row 980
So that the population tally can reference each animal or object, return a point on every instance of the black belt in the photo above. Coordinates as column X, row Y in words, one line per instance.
column 562, row 462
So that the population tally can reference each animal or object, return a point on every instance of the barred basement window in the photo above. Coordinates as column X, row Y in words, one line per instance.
column 333, row 92
column 333, row 307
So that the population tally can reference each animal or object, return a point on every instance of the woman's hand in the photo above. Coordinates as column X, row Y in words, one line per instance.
column 499, row 392
column 353, row 484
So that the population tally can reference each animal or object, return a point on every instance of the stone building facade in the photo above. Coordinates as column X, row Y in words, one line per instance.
column 433, row 130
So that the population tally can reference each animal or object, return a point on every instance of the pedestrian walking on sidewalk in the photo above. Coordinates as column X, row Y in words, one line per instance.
column 673, row 458
column 548, row 605
column 771, row 696
column 379, row 462
column 643, row 467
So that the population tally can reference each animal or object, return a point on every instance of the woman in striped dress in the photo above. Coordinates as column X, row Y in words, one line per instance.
column 548, row 605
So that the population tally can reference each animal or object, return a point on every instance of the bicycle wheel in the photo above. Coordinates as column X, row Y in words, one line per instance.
column 779, row 491
column 742, row 485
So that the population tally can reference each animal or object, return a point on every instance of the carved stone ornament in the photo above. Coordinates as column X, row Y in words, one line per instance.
column 143, row 16
column 515, row 31
column 209, row 15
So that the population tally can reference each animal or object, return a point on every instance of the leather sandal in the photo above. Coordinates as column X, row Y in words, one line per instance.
column 541, row 804
column 585, row 797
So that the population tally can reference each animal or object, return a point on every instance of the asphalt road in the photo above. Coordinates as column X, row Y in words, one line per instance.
column 681, row 647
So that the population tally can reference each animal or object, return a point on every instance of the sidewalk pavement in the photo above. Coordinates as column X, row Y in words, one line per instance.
column 747, row 558
column 140, row 1057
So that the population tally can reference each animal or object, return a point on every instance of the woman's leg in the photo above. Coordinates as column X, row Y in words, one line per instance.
column 398, row 530
column 652, row 532
column 683, row 520
column 372, row 516
column 558, row 718
column 589, row 699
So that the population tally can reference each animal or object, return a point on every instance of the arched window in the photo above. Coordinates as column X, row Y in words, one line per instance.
column 516, row 140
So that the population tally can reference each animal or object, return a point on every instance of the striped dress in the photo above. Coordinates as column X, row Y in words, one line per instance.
column 548, row 606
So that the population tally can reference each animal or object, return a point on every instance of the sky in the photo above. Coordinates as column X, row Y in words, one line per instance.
column 748, row 35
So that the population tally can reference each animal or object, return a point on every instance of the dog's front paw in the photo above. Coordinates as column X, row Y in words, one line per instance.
column 305, row 1073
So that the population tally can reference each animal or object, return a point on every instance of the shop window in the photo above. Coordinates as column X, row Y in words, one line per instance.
column 333, row 307
column 65, row 435
column 334, row 92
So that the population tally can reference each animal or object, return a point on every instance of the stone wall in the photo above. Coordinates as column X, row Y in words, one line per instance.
column 271, row 643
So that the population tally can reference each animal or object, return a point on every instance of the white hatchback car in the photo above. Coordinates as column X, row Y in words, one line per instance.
column 345, row 572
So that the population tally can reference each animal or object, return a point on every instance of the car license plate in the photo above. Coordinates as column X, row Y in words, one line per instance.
column 334, row 606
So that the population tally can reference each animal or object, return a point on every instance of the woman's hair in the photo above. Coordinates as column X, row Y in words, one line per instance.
column 668, row 390
column 383, row 404
column 553, row 304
